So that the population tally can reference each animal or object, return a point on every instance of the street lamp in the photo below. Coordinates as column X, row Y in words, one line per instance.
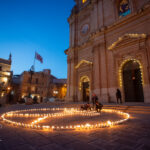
column 31, row 75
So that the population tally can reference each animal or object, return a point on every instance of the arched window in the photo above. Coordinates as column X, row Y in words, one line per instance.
column 124, row 8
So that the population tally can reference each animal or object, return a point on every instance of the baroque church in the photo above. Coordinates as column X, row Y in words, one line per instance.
column 109, row 49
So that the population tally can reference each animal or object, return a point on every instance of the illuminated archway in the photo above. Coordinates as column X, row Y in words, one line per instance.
column 84, row 87
column 131, row 80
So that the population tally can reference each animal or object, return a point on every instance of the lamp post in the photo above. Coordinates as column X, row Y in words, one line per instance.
column 31, row 74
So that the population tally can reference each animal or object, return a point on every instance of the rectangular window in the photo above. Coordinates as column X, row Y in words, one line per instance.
column 33, row 89
column 29, row 80
column 0, row 68
column 37, row 81
column 36, row 90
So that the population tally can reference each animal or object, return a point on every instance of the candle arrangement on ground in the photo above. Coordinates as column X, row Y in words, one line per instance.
column 59, row 113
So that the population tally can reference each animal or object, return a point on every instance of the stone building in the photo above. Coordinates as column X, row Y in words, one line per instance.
column 59, row 88
column 15, row 87
column 41, row 84
column 35, row 83
column 109, row 49
column 5, row 76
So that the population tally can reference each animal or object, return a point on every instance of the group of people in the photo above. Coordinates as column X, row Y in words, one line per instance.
column 97, row 105
column 29, row 100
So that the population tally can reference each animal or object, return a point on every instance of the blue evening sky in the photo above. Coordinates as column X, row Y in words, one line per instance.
column 27, row 26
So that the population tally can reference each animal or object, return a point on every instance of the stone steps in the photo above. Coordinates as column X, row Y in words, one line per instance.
column 133, row 109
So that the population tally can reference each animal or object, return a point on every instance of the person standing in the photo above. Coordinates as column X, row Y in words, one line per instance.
column 118, row 96
column 35, row 100
column 94, row 99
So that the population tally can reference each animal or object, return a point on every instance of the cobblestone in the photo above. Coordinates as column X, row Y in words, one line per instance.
column 132, row 135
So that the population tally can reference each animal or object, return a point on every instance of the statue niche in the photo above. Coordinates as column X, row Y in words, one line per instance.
column 124, row 8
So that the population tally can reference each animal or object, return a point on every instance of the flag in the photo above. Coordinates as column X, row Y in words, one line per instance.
column 38, row 57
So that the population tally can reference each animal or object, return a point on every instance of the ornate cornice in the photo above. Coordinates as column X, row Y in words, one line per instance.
column 121, row 22
column 132, row 36
column 114, row 26
column 83, row 62
column 77, row 11
column 69, row 51
column 85, row 44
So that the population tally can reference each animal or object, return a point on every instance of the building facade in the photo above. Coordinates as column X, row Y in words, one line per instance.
column 5, row 76
column 109, row 49
column 59, row 88
column 40, row 84
column 15, row 87
column 35, row 84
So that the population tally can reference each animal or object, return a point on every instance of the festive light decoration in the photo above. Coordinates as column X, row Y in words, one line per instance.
column 121, row 68
column 83, row 62
column 83, row 1
column 84, row 79
column 66, row 112
column 143, row 36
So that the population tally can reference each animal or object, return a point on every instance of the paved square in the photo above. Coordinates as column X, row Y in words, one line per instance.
column 132, row 135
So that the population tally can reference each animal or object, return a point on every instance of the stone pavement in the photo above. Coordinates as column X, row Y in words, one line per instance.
column 132, row 135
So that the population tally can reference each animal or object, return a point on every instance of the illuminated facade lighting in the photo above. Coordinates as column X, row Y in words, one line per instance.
column 121, row 68
column 55, row 92
column 83, row 62
column 5, row 79
column 83, row 1
column 142, row 36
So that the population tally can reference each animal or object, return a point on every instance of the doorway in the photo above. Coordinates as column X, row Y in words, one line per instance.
column 86, row 91
column 84, row 87
column 132, row 81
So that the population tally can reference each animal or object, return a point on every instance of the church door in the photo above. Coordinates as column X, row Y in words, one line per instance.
column 132, row 81
column 85, row 87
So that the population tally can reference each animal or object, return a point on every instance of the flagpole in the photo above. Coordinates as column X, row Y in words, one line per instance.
column 34, row 61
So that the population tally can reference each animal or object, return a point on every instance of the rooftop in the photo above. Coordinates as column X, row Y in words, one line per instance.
column 5, row 61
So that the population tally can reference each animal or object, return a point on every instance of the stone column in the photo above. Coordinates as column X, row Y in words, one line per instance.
column 72, row 78
column 68, row 78
column 96, row 71
column 112, row 76
column 146, row 68
column 104, row 72
column 75, row 79
column 100, row 14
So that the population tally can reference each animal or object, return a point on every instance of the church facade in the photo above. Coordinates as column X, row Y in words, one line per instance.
column 109, row 49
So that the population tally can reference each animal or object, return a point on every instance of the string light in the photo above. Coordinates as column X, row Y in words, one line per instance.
column 66, row 112
column 82, row 62
column 143, row 36
column 83, row 79
column 121, row 68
